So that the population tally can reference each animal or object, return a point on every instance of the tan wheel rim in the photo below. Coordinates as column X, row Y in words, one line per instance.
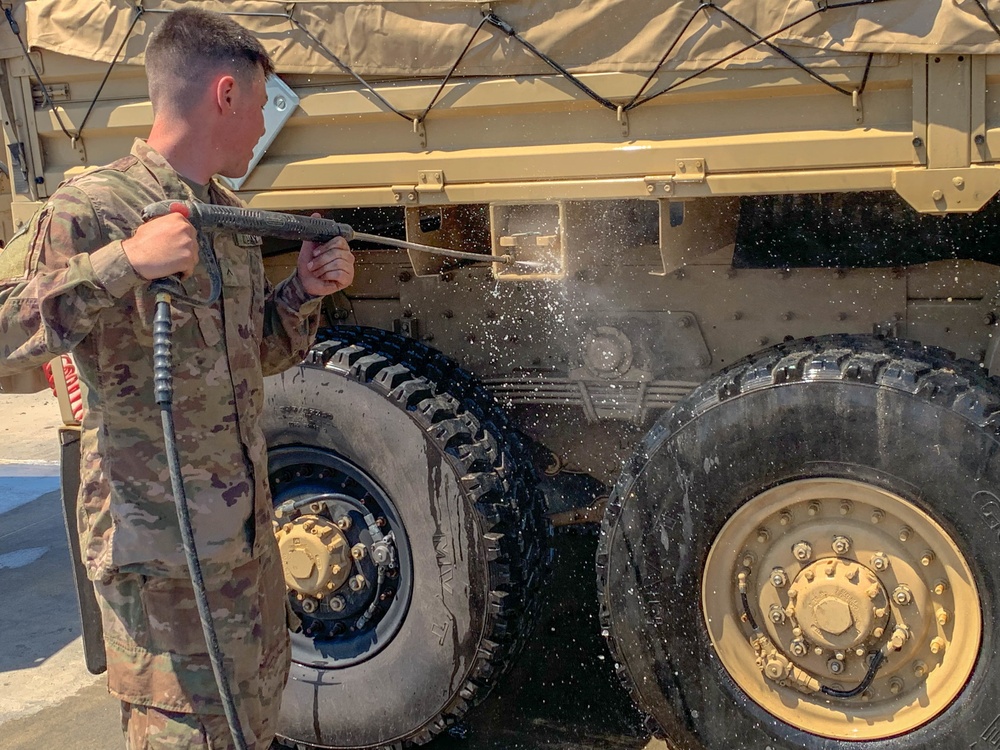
column 833, row 570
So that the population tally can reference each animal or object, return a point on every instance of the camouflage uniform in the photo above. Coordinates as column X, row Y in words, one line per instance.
column 78, row 292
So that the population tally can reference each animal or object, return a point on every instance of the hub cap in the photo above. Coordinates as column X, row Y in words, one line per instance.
column 834, row 571
column 345, row 556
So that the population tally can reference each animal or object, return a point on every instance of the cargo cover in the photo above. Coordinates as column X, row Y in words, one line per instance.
column 400, row 38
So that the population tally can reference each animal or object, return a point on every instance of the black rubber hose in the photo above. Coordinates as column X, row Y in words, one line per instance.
column 876, row 661
column 163, row 391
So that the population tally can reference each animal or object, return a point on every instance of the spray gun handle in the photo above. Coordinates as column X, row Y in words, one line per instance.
column 171, row 288
column 212, row 218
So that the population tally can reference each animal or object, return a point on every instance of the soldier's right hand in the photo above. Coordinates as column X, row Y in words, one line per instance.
column 164, row 246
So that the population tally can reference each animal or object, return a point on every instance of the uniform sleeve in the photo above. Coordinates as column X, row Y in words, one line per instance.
column 73, row 273
column 291, row 319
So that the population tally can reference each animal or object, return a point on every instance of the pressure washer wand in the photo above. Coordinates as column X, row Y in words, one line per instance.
column 170, row 290
column 213, row 218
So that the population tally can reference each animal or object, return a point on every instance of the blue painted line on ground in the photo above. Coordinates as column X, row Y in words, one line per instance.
column 20, row 558
column 21, row 484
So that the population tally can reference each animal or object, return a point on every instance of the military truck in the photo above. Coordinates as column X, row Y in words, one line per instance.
column 751, row 332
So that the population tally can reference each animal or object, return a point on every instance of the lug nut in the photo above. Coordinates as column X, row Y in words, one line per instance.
column 779, row 578
column 784, row 518
column 316, row 507
column 880, row 562
column 846, row 507
column 309, row 606
column 919, row 670
column 877, row 516
column 895, row 686
column 777, row 615
column 344, row 523
column 802, row 551
column 841, row 545
column 357, row 583
column 835, row 667
column 763, row 535
column 813, row 508
column 748, row 560
column 337, row 603
column 358, row 551
column 899, row 637
column 902, row 595
column 942, row 616
column 798, row 647
column 927, row 558
column 937, row 645
column 904, row 533
column 940, row 587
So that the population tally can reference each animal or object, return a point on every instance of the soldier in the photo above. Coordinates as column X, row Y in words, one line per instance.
column 87, row 263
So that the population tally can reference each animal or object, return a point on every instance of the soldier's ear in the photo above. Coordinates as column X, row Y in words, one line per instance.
column 225, row 94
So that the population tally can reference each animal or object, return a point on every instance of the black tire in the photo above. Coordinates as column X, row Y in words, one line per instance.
column 414, row 434
column 891, row 416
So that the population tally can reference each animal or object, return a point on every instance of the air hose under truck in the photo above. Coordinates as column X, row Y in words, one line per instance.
column 212, row 218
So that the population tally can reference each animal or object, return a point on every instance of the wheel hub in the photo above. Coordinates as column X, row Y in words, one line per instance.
column 835, row 603
column 807, row 581
column 345, row 556
column 315, row 555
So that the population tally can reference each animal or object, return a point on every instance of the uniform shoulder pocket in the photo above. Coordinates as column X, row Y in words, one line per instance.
column 19, row 257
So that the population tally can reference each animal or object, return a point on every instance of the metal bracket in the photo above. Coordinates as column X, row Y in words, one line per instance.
column 430, row 181
column 409, row 327
column 76, row 142
column 659, row 186
column 420, row 131
column 405, row 194
column 623, row 121
column 859, row 110
column 690, row 170
column 58, row 92
column 19, row 67
column 945, row 191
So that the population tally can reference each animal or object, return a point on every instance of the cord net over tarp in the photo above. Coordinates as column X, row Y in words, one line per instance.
column 403, row 39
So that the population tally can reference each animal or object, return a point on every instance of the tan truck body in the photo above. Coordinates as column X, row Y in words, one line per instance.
column 671, row 171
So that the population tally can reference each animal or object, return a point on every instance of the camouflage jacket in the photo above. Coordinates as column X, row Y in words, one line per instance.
column 79, row 292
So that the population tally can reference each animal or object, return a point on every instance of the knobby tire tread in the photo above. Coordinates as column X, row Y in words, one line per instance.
column 932, row 374
column 494, row 465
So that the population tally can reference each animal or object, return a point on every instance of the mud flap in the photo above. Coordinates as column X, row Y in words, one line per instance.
column 90, row 614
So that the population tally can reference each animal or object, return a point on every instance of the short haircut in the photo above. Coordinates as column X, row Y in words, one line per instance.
column 191, row 47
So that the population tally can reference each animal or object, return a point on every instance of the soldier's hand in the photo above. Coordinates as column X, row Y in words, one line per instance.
column 325, row 268
column 162, row 247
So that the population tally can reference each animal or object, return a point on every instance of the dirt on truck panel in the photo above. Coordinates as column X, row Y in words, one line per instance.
column 751, row 343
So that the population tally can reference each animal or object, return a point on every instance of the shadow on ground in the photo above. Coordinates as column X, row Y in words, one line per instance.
column 562, row 691
column 35, row 577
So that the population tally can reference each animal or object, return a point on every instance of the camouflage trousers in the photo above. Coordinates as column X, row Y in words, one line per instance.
column 158, row 664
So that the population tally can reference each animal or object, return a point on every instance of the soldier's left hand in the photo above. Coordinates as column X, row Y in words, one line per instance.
column 325, row 268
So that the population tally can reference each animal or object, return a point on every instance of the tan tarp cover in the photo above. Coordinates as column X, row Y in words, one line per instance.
column 400, row 38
